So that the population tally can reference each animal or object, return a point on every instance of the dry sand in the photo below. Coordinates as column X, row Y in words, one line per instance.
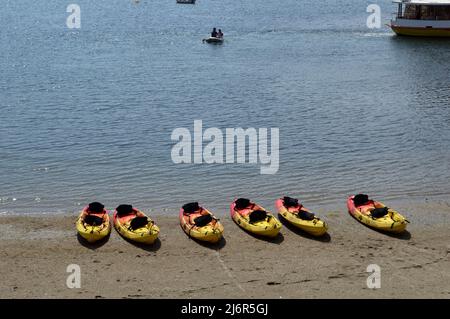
column 35, row 252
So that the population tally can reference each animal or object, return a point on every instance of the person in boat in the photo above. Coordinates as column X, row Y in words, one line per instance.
column 220, row 34
column 214, row 33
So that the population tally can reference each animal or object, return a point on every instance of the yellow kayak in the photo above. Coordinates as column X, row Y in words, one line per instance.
column 254, row 218
column 376, row 214
column 197, row 222
column 134, row 225
column 93, row 223
column 300, row 217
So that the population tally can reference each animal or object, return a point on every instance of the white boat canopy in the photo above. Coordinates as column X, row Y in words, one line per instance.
column 424, row 2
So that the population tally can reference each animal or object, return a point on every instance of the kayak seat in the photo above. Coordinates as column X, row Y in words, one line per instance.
column 124, row 210
column 242, row 203
column 93, row 220
column 379, row 212
column 257, row 215
column 96, row 207
column 138, row 222
column 203, row 220
column 292, row 205
column 360, row 200
column 190, row 208
column 302, row 214
column 290, row 202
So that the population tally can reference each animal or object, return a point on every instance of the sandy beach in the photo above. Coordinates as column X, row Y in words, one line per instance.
column 35, row 252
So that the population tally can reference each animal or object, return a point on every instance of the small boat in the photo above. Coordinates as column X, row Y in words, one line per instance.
column 254, row 218
column 301, row 217
column 213, row 40
column 93, row 223
column 428, row 18
column 186, row 1
column 199, row 223
column 134, row 225
column 375, row 214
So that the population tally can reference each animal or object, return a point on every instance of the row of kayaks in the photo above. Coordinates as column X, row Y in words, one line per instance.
column 199, row 223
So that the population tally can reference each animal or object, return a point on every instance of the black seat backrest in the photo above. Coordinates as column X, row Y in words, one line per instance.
column 360, row 199
column 257, row 215
column 290, row 202
column 242, row 203
column 302, row 214
column 203, row 220
column 96, row 207
column 124, row 210
column 93, row 220
column 189, row 208
column 138, row 222
column 379, row 212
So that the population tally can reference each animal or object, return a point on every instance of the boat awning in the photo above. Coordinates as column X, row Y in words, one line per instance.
column 424, row 2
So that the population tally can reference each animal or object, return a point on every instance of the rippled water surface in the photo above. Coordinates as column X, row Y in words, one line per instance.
column 87, row 114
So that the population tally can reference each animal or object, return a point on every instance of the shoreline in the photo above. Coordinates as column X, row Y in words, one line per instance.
column 35, row 253
column 433, row 209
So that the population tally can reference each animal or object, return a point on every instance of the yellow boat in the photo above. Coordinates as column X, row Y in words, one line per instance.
column 299, row 216
column 376, row 214
column 134, row 225
column 93, row 222
column 254, row 218
column 199, row 223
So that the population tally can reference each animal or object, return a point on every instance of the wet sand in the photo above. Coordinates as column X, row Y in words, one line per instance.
column 35, row 253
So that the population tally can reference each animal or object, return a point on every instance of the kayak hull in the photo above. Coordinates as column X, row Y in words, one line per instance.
column 315, row 227
column 144, row 235
column 213, row 40
column 267, row 228
column 393, row 222
column 90, row 233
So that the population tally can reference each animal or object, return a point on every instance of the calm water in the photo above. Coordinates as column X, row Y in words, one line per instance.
column 87, row 114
